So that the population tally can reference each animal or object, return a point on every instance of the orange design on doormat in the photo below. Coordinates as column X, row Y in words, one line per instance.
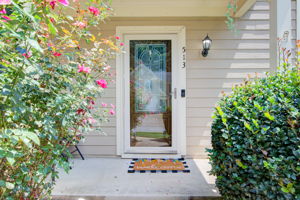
column 158, row 165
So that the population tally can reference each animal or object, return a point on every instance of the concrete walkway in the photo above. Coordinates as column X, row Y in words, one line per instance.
column 107, row 178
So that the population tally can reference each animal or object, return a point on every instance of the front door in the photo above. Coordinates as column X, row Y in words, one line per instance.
column 151, row 94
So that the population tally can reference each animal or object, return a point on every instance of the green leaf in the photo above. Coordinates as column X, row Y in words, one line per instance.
column 248, row 126
column 240, row 164
column 52, row 28
column 255, row 123
column 284, row 189
column 11, row 161
column 26, row 13
column 28, row 134
column 35, row 45
column 224, row 135
column 32, row 136
column 269, row 116
column 220, row 111
column 256, row 105
column 9, row 185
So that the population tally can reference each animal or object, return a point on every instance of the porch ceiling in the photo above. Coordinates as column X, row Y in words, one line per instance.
column 176, row 8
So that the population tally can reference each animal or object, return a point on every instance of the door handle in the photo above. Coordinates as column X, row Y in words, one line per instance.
column 175, row 93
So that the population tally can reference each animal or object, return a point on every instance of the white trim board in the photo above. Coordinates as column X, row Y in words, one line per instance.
column 179, row 33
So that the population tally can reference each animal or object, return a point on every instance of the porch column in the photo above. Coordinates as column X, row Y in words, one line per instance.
column 298, row 20
column 280, row 27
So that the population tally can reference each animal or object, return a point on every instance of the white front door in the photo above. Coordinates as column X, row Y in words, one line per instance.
column 153, row 93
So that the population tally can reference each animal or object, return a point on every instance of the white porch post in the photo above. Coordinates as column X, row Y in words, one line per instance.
column 298, row 20
column 280, row 27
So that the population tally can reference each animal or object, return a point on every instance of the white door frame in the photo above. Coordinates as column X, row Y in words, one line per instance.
column 177, row 35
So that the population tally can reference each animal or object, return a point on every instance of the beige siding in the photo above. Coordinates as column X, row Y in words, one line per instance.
column 231, row 58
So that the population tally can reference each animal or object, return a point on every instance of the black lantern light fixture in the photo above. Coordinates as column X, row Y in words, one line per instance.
column 206, row 45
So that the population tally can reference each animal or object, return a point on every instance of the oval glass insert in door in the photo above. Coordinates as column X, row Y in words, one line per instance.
column 150, row 93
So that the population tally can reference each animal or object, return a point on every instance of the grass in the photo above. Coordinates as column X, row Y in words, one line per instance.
column 150, row 134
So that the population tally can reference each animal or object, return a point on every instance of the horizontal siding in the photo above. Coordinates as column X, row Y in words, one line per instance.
column 232, row 58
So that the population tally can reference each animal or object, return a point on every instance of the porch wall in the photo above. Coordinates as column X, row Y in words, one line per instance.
column 231, row 58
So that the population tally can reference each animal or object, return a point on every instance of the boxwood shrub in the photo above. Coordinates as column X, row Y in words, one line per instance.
column 256, row 139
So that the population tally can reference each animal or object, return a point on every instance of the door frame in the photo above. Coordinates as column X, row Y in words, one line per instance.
column 174, row 33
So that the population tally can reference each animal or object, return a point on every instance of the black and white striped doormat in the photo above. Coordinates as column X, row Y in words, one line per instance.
column 132, row 170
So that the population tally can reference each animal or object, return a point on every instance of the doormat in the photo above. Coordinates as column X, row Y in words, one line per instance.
column 158, row 166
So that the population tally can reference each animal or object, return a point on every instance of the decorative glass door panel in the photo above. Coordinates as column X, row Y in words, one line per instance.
column 150, row 93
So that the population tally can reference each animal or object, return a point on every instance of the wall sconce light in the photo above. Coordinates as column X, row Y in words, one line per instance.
column 206, row 45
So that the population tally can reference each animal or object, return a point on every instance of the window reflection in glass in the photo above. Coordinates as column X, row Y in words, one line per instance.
column 150, row 89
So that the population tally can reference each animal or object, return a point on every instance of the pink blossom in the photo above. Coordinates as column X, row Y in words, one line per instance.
column 56, row 54
column 64, row 2
column 94, row 10
column 5, row 2
column 113, row 106
column 102, row 83
column 3, row 11
column 112, row 112
column 6, row 17
column 104, row 104
column 117, row 37
column 90, row 107
column 91, row 120
column 83, row 69
column 121, row 44
column 80, row 24
column 27, row 55
column 52, row 4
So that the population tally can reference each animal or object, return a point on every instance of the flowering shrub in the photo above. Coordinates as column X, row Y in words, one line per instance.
column 52, row 69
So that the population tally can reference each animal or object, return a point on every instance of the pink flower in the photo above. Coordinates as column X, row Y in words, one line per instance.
column 90, row 107
column 80, row 24
column 117, row 37
column 52, row 4
column 104, row 104
column 5, row 17
column 83, row 69
column 26, row 55
column 3, row 11
column 121, row 44
column 64, row 2
column 94, row 10
column 5, row 2
column 112, row 112
column 113, row 106
column 102, row 83
column 91, row 120
column 56, row 54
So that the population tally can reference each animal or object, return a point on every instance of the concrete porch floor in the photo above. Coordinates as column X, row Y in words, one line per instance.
column 107, row 178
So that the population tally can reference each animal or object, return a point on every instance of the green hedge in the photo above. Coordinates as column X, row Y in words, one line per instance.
column 256, row 139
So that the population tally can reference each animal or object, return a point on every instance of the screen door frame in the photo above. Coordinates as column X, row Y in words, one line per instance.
column 178, row 103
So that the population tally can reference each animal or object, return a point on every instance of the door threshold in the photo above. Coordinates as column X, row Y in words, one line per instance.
column 152, row 156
